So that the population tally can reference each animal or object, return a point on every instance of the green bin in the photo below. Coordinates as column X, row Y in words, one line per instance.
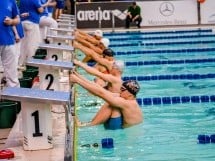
column 25, row 82
column 41, row 52
column 39, row 56
column 31, row 67
column 8, row 112
column 30, row 73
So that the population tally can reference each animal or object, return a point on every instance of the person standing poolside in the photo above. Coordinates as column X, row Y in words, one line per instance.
column 126, row 101
column 111, row 117
column 30, row 15
column 9, row 16
column 59, row 8
column 46, row 22
column 51, row 7
column 133, row 15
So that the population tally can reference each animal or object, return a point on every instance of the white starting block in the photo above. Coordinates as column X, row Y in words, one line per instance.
column 67, row 21
column 62, row 31
column 36, row 114
column 61, row 39
column 67, row 15
column 58, row 52
column 66, row 25
column 49, row 72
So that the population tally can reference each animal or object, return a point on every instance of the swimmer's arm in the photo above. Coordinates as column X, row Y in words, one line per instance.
column 88, row 44
column 99, row 91
column 81, row 40
column 95, row 72
column 95, row 56
column 87, row 51
column 101, row 60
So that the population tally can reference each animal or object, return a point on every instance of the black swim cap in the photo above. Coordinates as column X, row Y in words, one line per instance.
column 132, row 86
column 108, row 52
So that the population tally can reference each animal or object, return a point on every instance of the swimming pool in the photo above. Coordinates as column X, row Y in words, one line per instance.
column 171, row 125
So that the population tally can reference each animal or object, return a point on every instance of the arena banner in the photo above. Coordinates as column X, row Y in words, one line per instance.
column 154, row 13
column 89, row 14
column 162, row 13
column 207, row 12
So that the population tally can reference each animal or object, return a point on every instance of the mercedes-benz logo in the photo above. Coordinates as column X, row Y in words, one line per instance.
column 166, row 9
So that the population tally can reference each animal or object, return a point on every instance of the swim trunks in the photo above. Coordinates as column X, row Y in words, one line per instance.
column 113, row 123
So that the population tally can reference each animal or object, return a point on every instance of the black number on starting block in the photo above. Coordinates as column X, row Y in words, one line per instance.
column 50, row 81
column 37, row 124
column 55, row 57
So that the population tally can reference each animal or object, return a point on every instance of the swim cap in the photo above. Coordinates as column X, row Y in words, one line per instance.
column 98, row 33
column 105, row 42
column 108, row 52
column 119, row 64
column 132, row 86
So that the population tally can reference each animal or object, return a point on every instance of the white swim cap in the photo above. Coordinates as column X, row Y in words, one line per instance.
column 98, row 33
column 119, row 64
column 105, row 42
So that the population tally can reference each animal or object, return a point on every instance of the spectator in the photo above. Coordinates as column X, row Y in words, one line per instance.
column 133, row 15
column 46, row 22
column 30, row 15
column 51, row 7
column 59, row 8
column 9, row 16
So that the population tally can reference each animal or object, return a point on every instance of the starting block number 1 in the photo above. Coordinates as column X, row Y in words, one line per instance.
column 38, row 126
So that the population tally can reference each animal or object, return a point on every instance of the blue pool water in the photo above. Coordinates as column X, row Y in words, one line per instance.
column 169, row 131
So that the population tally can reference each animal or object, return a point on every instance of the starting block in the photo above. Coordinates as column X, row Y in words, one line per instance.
column 67, row 15
column 58, row 52
column 67, row 21
column 66, row 25
column 61, row 39
column 62, row 31
column 36, row 114
column 49, row 72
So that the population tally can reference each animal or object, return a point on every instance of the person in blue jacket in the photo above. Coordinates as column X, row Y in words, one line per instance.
column 46, row 22
column 9, row 16
column 59, row 8
column 30, row 11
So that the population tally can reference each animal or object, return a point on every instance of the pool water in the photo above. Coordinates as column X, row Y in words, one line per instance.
column 169, row 132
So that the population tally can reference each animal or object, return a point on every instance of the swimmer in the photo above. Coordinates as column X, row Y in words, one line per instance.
column 104, row 62
column 125, row 102
column 111, row 117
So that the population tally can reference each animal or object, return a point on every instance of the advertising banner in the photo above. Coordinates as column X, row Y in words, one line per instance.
column 89, row 14
column 207, row 12
column 159, row 13
column 154, row 13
